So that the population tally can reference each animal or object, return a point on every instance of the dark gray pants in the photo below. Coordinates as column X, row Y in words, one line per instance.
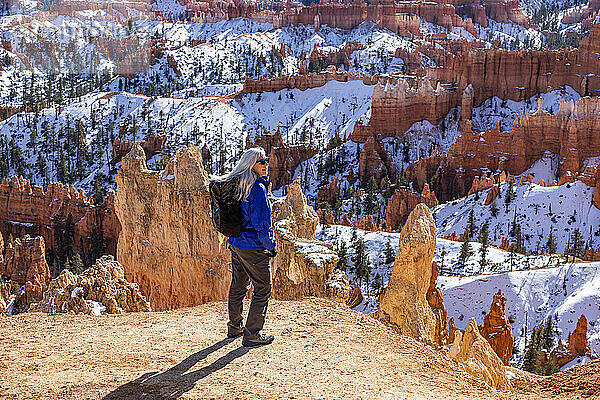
column 249, row 266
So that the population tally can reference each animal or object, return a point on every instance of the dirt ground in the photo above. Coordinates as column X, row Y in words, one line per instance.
column 322, row 350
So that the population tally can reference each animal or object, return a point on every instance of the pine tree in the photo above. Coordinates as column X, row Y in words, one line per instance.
column 389, row 253
column 484, row 240
column 530, row 359
column 551, row 243
column 465, row 249
column 360, row 259
column 577, row 243
column 342, row 251
column 494, row 210
column 371, row 196
column 471, row 224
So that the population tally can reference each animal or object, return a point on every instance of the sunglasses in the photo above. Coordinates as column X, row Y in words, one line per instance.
column 264, row 161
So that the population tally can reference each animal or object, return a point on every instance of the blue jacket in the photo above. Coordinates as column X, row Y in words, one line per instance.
column 256, row 215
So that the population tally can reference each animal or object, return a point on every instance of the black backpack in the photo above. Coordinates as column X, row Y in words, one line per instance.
column 226, row 208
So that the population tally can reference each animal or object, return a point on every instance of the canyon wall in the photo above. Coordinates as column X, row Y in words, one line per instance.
column 309, row 81
column 395, row 108
column 570, row 133
column 518, row 75
column 61, row 214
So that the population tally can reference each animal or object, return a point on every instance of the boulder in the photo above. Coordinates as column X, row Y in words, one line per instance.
column 100, row 288
column 475, row 354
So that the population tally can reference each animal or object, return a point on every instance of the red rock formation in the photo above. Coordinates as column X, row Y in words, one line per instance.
column 492, row 195
column 338, row 58
column 401, row 204
column 25, row 260
column 497, row 330
column 480, row 184
column 366, row 223
column 570, row 134
column 375, row 162
column 38, row 212
column 329, row 192
column 518, row 75
column 435, row 298
column 578, row 341
column 152, row 145
column 355, row 298
column 578, row 345
column 395, row 108
column 306, row 81
column 283, row 159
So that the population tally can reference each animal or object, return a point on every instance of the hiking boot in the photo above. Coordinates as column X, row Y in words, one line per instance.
column 234, row 331
column 259, row 339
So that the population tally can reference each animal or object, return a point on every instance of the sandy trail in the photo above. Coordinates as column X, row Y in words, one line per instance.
column 322, row 350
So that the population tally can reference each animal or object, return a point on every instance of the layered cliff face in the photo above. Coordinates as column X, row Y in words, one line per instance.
column 395, row 108
column 52, row 211
column 405, row 300
column 496, row 329
column 304, row 265
column 518, row 75
column 167, row 244
column 476, row 355
column 570, row 133
column 100, row 288
column 403, row 201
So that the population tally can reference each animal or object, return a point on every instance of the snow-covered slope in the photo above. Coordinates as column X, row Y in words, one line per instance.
column 566, row 292
column 537, row 287
column 537, row 209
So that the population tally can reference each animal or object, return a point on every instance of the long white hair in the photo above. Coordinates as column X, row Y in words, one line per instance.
column 243, row 171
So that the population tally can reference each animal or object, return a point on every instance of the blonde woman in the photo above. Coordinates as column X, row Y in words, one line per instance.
column 252, row 250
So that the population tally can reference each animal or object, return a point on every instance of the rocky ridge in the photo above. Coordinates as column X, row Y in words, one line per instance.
column 170, row 248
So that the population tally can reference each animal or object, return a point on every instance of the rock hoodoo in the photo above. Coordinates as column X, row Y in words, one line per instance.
column 25, row 260
column 577, row 346
column 167, row 243
column 169, row 246
column 304, row 265
column 405, row 300
column 477, row 356
column 100, row 288
column 47, row 212
column 497, row 330
column 401, row 204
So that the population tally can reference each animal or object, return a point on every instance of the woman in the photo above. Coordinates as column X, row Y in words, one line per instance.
column 251, row 252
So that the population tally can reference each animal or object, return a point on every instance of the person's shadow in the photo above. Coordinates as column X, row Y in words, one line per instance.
column 174, row 382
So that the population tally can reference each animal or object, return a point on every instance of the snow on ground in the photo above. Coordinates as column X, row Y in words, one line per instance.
column 310, row 117
column 504, row 111
column 566, row 292
column 545, row 168
column 537, row 287
column 536, row 208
